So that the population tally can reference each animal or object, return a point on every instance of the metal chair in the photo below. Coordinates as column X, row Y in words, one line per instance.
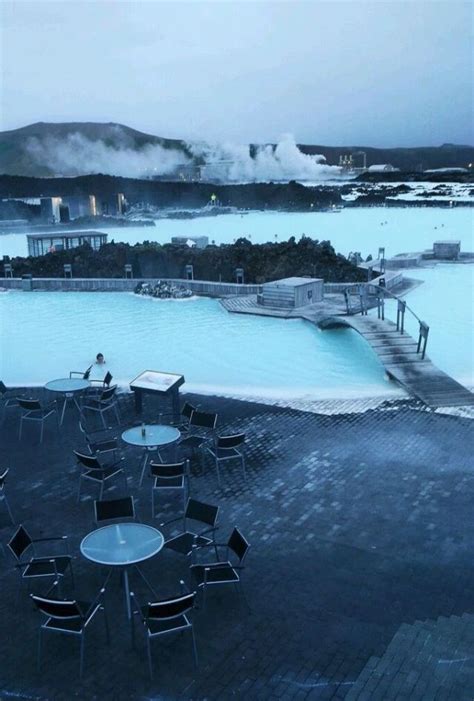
column 84, row 375
column 202, row 513
column 168, row 477
column 227, row 448
column 223, row 571
column 95, row 471
column 104, row 401
column 3, row 496
column 201, row 427
column 33, row 410
column 102, row 384
column 8, row 397
column 185, row 417
column 99, row 444
column 113, row 509
column 52, row 566
column 70, row 617
column 163, row 618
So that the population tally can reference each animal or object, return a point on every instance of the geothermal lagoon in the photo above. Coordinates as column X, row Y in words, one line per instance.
column 243, row 355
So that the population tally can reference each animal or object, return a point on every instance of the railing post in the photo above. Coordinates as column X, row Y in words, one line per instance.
column 346, row 297
column 401, row 316
column 423, row 337
column 362, row 298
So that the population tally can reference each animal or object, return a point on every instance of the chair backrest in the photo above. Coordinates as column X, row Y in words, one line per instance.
column 108, row 509
column 233, row 441
column 200, row 511
column 89, row 461
column 87, row 373
column 29, row 404
column 107, row 394
column 187, row 410
column 55, row 608
column 168, row 470
column 20, row 542
column 238, row 544
column 4, row 388
column 171, row 608
column 203, row 419
column 3, row 477
column 107, row 379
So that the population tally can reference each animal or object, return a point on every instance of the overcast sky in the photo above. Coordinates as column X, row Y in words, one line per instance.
column 344, row 73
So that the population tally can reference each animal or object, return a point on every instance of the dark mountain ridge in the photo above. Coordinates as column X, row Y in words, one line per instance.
column 18, row 155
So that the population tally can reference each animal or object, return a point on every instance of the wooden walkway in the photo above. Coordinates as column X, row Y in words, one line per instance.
column 397, row 353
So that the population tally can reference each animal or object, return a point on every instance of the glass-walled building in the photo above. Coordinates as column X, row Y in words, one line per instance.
column 40, row 244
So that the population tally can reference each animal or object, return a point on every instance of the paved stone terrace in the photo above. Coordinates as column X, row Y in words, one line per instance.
column 361, row 529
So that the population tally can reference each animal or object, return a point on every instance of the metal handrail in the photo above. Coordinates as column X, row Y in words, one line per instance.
column 402, row 306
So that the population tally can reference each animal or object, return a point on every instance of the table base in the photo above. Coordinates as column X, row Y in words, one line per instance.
column 126, row 585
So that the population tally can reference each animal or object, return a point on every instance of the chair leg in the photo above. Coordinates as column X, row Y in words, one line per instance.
column 81, row 664
column 106, row 623
column 218, row 472
column 243, row 598
column 150, row 666
column 101, row 490
column 72, row 576
column 38, row 659
column 21, row 428
column 103, row 420
column 196, row 661
column 41, row 432
column 145, row 463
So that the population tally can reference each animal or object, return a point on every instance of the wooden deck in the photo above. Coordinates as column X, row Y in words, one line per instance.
column 397, row 353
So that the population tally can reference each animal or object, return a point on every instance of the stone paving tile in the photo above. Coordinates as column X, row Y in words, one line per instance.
column 359, row 523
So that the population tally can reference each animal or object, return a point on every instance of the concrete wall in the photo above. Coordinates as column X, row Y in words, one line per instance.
column 409, row 261
column 198, row 287
column 392, row 280
column 447, row 250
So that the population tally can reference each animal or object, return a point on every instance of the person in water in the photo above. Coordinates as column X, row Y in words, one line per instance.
column 99, row 359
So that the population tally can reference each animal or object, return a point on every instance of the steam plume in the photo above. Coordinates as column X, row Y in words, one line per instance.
column 78, row 155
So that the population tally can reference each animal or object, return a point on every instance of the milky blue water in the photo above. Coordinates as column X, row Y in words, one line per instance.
column 446, row 302
column 358, row 229
column 46, row 334
column 238, row 354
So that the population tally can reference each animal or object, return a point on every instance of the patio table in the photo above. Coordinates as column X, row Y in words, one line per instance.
column 68, row 387
column 154, row 438
column 123, row 545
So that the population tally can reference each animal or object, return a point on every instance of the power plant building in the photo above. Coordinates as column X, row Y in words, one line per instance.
column 51, row 209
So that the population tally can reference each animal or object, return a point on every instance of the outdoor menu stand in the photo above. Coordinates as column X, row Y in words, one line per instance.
column 162, row 383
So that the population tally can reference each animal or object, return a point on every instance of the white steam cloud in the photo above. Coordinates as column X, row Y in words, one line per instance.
column 284, row 162
column 79, row 155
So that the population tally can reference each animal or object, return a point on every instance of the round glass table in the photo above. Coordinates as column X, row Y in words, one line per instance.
column 68, row 387
column 150, row 437
column 123, row 545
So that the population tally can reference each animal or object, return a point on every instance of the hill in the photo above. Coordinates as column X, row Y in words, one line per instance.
column 35, row 150
column 81, row 148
